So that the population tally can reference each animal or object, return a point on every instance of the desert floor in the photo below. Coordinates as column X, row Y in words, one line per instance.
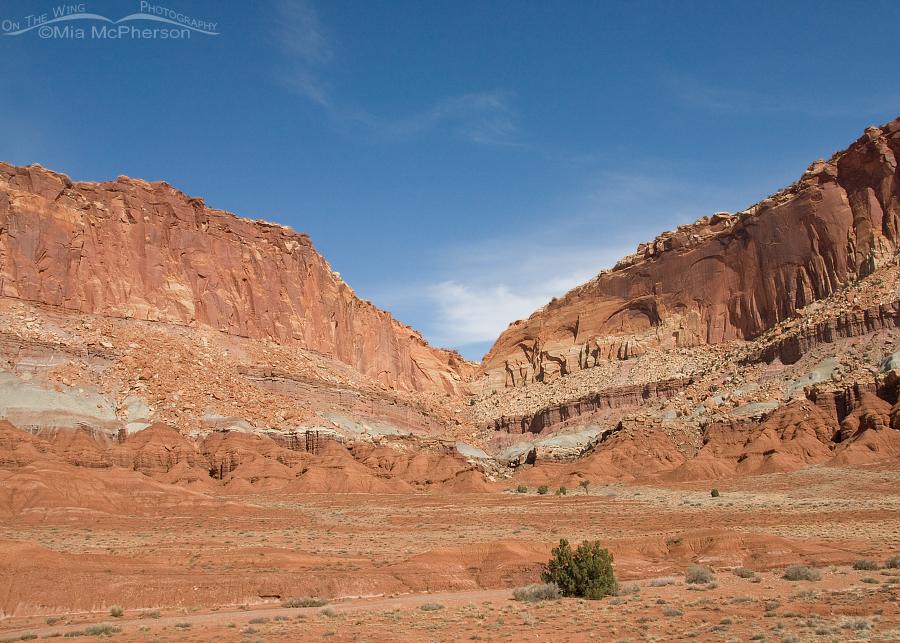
column 440, row 567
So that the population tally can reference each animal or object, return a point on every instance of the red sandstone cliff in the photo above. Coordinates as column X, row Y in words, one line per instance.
column 722, row 278
column 147, row 251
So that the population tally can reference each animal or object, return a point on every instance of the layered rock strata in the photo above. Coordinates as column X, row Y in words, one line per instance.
column 601, row 405
column 146, row 251
column 724, row 277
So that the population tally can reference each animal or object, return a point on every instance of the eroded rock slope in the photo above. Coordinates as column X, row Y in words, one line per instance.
column 146, row 251
column 724, row 277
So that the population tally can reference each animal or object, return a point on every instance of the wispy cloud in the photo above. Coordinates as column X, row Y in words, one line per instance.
column 744, row 101
column 481, row 117
column 306, row 48
column 308, row 52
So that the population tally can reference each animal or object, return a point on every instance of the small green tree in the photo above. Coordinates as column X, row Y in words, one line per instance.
column 714, row 493
column 561, row 491
column 522, row 489
column 584, row 484
column 543, row 489
column 586, row 572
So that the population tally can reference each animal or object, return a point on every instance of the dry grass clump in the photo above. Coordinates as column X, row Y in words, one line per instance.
column 305, row 601
column 802, row 572
column 856, row 624
column 103, row 629
column 697, row 575
column 431, row 607
column 866, row 565
column 743, row 572
column 537, row 592
column 665, row 580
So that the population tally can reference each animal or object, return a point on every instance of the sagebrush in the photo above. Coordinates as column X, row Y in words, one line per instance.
column 802, row 572
column 697, row 575
column 305, row 601
column 537, row 592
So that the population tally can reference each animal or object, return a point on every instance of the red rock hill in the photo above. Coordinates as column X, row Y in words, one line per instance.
column 147, row 251
column 724, row 277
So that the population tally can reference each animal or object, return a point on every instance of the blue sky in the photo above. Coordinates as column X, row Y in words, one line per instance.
column 459, row 163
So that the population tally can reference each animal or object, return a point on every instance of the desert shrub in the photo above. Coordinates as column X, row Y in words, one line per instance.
column 697, row 575
column 543, row 489
column 149, row 614
column 584, row 484
column 629, row 590
column 27, row 636
column 249, row 630
column 431, row 607
column 893, row 562
column 561, row 491
column 867, row 565
column 184, row 625
column 328, row 611
column 672, row 611
column 856, row 624
column 73, row 634
column 870, row 580
column 743, row 572
column 665, row 580
column 714, row 493
column 117, row 611
column 522, row 489
column 586, row 572
column 802, row 572
column 306, row 601
column 537, row 592
column 259, row 619
column 102, row 629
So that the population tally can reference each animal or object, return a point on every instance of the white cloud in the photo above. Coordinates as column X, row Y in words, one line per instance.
column 499, row 285
column 469, row 314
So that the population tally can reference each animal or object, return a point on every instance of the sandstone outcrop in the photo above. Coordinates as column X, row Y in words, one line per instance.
column 146, row 251
column 724, row 277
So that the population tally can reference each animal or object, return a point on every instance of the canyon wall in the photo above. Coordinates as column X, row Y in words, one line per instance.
column 146, row 251
column 724, row 277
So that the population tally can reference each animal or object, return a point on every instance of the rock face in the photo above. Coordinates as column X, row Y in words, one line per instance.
column 147, row 251
column 594, row 406
column 724, row 277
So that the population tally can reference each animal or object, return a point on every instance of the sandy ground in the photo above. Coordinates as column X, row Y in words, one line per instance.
column 205, row 577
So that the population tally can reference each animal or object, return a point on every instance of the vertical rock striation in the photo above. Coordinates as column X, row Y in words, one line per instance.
column 724, row 277
column 147, row 251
